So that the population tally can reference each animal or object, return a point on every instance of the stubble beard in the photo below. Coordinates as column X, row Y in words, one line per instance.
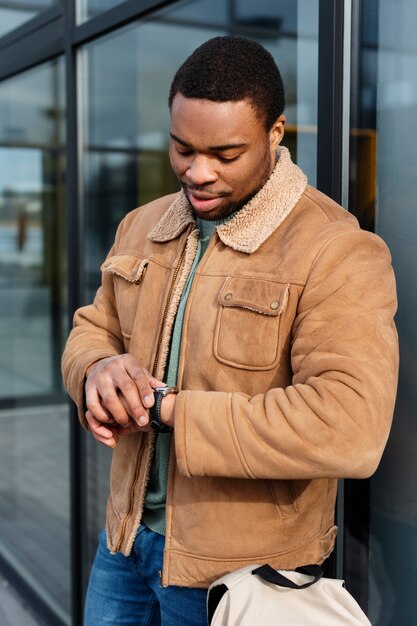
column 234, row 207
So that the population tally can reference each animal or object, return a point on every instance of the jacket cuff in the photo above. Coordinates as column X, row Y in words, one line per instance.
column 203, row 426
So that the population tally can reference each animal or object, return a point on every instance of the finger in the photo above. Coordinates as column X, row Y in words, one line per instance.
column 129, row 396
column 144, row 383
column 92, row 400
column 110, row 400
column 155, row 382
column 97, row 427
column 103, row 434
column 132, row 365
column 140, row 418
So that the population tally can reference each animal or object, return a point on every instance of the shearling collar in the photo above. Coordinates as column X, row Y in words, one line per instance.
column 256, row 221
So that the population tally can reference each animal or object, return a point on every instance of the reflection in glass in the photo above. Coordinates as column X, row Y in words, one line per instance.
column 34, row 500
column 125, row 126
column 13, row 13
column 87, row 9
column 32, row 223
column 388, row 112
column 216, row 12
column 34, row 444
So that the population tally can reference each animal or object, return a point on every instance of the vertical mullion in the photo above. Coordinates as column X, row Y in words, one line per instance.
column 75, row 273
column 330, row 98
column 357, row 492
column 346, row 103
column 331, row 163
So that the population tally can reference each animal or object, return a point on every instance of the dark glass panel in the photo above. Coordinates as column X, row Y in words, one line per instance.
column 13, row 13
column 34, row 419
column 384, row 197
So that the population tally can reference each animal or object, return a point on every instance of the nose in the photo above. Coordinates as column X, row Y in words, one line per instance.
column 201, row 170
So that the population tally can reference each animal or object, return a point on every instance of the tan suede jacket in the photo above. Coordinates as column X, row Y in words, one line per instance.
column 288, row 372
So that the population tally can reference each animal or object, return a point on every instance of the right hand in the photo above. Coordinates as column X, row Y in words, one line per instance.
column 118, row 394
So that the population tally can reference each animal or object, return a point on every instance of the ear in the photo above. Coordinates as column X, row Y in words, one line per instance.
column 277, row 132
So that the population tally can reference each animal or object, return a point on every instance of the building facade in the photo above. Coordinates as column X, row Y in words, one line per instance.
column 83, row 139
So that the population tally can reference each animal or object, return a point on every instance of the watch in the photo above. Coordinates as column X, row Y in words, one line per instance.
column 155, row 411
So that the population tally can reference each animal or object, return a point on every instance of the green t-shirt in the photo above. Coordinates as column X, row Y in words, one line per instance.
column 155, row 499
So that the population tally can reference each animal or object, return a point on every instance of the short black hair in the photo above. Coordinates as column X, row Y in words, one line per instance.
column 230, row 69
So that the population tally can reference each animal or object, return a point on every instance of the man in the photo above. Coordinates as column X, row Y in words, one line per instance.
column 272, row 312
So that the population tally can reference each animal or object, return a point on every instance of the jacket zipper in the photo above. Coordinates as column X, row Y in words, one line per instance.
column 164, row 317
column 131, row 501
column 155, row 365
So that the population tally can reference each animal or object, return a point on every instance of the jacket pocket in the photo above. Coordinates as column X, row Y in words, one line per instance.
column 127, row 266
column 247, row 333
column 127, row 271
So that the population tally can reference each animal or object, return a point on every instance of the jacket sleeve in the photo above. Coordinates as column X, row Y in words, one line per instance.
column 334, row 419
column 96, row 335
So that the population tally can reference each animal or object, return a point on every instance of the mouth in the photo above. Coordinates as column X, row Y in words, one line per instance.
column 203, row 201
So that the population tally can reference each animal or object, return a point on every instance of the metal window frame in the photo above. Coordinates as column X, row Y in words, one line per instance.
column 339, row 35
column 329, row 163
column 330, row 98
column 55, row 32
column 357, row 492
column 33, row 24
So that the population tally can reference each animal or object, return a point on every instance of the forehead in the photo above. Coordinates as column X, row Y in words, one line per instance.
column 208, row 123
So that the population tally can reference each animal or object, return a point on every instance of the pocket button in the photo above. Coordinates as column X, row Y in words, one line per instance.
column 274, row 305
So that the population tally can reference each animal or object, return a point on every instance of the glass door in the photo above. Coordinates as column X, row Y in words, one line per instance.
column 34, row 442
column 384, row 197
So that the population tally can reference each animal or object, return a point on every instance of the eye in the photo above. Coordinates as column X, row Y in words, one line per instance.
column 184, row 152
column 227, row 160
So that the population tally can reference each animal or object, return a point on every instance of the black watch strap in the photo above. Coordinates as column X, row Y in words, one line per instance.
column 155, row 411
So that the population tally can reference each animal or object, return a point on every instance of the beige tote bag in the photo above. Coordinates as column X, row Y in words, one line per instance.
column 261, row 596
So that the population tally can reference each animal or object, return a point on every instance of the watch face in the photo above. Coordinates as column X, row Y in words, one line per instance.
column 165, row 390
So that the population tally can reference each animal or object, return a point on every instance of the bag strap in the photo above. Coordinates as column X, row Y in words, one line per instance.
column 271, row 575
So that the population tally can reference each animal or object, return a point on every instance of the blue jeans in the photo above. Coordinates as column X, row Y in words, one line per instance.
column 127, row 590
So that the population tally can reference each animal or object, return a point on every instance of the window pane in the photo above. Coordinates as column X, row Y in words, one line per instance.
column 34, row 500
column 87, row 9
column 32, row 232
column 215, row 12
column 13, row 13
column 125, row 125
column 34, row 420
column 385, row 198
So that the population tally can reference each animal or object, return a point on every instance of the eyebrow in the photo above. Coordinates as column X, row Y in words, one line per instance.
column 226, row 146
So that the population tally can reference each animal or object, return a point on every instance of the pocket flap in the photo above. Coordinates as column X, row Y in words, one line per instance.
column 127, row 266
column 256, row 294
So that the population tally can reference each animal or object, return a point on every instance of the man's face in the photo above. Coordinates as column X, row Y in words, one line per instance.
column 221, row 153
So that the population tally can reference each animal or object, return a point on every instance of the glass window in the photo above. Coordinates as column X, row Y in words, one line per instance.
column 34, row 420
column 86, row 9
column 13, row 13
column 125, row 125
column 385, row 198
column 215, row 12
column 32, row 234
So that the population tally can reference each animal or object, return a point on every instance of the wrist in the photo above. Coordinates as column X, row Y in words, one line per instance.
column 162, row 412
column 167, row 409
